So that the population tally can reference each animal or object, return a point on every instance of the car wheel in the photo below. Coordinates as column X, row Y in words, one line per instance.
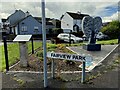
column 72, row 41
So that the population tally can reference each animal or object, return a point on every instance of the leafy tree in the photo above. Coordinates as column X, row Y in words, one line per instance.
column 112, row 29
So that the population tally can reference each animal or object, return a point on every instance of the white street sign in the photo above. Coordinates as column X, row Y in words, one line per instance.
column 72, row 57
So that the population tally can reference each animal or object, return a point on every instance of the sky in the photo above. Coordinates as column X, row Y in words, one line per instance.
column 107, row 10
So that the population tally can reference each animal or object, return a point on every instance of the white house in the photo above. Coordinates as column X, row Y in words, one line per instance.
column 72, row 21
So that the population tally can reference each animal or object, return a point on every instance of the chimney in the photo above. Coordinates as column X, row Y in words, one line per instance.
column 27, row 13
column 16, row 10
column 78, row 12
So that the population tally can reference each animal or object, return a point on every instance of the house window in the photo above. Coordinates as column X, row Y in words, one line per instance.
column 36, row 29
column 24, row 28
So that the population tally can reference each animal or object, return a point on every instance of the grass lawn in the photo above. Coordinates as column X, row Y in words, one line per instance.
column 103, row 42
column 13, row 53
column 13, row 50
column 108, row 42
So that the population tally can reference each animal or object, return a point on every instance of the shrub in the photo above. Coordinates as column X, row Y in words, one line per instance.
column 55, row 31
column 39, row 53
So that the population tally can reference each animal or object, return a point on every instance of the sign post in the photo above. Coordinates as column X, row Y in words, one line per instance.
column 53, row 69
column 44, row 42
column 83, row 72
column 72, row 57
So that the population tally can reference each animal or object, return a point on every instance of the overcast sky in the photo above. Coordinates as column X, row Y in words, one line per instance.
column 107, row 10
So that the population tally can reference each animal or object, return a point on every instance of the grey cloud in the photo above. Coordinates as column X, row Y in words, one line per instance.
column 56, row 9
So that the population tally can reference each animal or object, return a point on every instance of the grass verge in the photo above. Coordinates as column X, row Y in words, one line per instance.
column 13, row 53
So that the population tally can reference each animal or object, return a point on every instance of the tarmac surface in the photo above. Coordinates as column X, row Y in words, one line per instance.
column 106, row 76
column 97, row 56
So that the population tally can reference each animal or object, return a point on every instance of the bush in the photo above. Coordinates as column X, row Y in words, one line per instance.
column 112, row 29
column 55, row 31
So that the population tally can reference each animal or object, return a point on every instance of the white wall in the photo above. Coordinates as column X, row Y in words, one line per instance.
column 67, row 22
column 16, row 30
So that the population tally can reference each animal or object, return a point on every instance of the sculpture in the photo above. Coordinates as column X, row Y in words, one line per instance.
column 91, row 27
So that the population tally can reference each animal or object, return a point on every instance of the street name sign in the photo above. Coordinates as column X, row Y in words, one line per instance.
column 72, row 57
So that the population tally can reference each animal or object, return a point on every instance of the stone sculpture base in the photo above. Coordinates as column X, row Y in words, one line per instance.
column 92, row 47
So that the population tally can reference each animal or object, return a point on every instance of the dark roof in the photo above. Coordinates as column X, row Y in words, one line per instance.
column 4, row 20
column 61, row 17
column 39, row 19
column 76, row 15
column 36, row 18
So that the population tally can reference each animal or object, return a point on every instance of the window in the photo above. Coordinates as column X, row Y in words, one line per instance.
column 24, row 29
column 36, row 29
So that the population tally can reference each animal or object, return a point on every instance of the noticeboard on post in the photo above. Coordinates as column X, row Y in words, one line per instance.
column 22, row 38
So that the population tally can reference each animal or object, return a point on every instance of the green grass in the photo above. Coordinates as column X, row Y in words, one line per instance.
column 103, row 42
column 108, row 42
column 51, row 47
column 13, row 50
column 13, row 53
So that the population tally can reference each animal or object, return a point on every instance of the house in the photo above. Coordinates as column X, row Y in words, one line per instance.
column 24, row 23
column 27, row 25
column 49, row 25
column 11, row 20
column 72, row 21
column 56, row 23
column 30, row 25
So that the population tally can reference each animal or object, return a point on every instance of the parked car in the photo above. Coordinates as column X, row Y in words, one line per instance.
column 66, row 37
column 101, row 36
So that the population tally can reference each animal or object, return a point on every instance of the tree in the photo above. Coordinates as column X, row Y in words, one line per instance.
column 112, row 29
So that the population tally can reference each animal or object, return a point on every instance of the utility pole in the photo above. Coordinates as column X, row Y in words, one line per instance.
column 44, row 42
